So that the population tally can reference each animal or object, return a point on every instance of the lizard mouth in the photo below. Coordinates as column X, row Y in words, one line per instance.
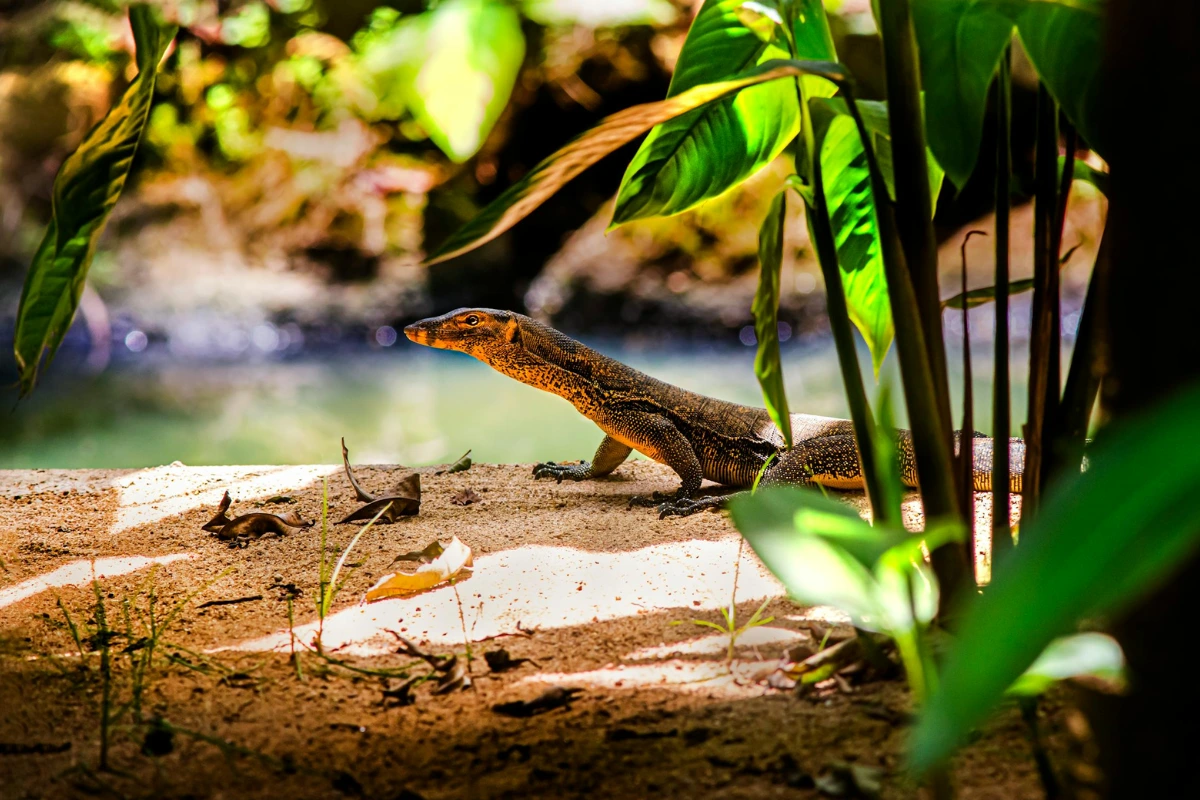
column 430, row 333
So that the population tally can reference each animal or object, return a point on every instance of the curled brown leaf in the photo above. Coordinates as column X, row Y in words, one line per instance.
column 405, row 501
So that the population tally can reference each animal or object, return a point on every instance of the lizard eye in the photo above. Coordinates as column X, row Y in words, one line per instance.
column 472, row 319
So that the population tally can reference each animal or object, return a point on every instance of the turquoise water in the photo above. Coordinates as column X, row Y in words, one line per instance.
column 404, row 405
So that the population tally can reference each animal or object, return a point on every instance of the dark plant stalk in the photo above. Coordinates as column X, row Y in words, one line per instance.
column 914, row 202
column 910, row 264
column 1001, row 402
column 1089, row 362
column 1044, row 367
column 966, row 441
column 1046, row 773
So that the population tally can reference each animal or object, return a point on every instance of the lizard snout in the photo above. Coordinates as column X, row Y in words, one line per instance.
column 417, row 333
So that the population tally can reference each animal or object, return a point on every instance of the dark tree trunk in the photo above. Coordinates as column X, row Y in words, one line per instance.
column 1147, row 738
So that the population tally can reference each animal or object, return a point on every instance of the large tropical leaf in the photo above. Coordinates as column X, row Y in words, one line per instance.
column 1101, row 540
column 960, row 42
column 549, row 175
column 846, row 178
column 85, row 191
column 702, row 154
column 460, row 77
column 846, row 182
column 1065, row 42
column 767, row 366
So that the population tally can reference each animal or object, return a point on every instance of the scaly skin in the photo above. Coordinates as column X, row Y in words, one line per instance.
column 699, row 437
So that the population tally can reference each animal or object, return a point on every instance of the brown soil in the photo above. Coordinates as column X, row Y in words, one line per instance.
column 563, row 575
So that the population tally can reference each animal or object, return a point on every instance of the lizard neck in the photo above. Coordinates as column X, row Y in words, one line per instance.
column 554, row 362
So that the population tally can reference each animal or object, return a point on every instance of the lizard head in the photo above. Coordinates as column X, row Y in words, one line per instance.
column 475, row 331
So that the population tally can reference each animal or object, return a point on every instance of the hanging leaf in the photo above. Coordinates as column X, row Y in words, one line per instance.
column 1065, row 43
column 961, row 43
column 1101, row 540
column 846, row 179
column 846, row 183
column 767, row 366
column 549, row 175
column 702, row 154
column 85, row 191
column 459, row 70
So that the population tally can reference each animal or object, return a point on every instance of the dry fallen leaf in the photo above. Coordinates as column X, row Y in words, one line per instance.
column 455, row 557
column 465, row 498
column 552, row 698
column 252, row 525
column 431, row 551
column 405, row 501
column 501, row 661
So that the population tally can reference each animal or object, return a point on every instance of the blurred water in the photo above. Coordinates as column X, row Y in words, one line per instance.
column 403, row 404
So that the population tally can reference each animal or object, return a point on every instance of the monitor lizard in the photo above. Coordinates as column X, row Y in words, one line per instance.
column 699, row 437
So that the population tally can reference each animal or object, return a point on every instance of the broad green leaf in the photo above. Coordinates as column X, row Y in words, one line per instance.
column 1091, row 655
column 875, row 117
column 1102, row 539
column 767, row 366
column 463, row 72
column 814, row 570
column 85, row 191
column 961, row 43
column 592, row 14
column 549, row 175
column 1065, row 42
column 703, row 154
column 907, row 592
column 809, row 511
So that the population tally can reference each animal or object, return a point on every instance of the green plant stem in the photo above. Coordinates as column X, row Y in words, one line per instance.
column 843, row 339
column 935, row 465
column 105, row 676
column 1044, row 340
column 1002, row 541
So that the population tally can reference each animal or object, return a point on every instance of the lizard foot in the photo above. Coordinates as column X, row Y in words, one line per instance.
column 685, row 508
column 549, row 469
column 653, row 501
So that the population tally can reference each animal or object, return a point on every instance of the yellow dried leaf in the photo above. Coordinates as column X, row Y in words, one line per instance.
column 454, row 559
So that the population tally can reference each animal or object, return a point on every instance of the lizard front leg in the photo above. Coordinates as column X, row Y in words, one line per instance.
column 609, row 455
column 658, row 438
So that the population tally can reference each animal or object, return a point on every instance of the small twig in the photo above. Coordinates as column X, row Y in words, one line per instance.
column 1045, row 768
column 463, row 622
column 230, row 602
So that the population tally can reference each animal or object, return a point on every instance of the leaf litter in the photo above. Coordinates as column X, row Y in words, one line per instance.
column 439, row 564
column 405, row 501
column 240, row 530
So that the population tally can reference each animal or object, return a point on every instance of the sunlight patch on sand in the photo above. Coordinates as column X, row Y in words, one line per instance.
column 539, row 586
column 718, row 644
column 151, row 495
column 81, row 573
column 711, row 677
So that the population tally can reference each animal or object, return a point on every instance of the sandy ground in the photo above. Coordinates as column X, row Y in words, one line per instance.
column 598, row 597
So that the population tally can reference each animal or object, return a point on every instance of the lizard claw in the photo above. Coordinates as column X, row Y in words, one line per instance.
column 652, row 501
column 683, row 507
